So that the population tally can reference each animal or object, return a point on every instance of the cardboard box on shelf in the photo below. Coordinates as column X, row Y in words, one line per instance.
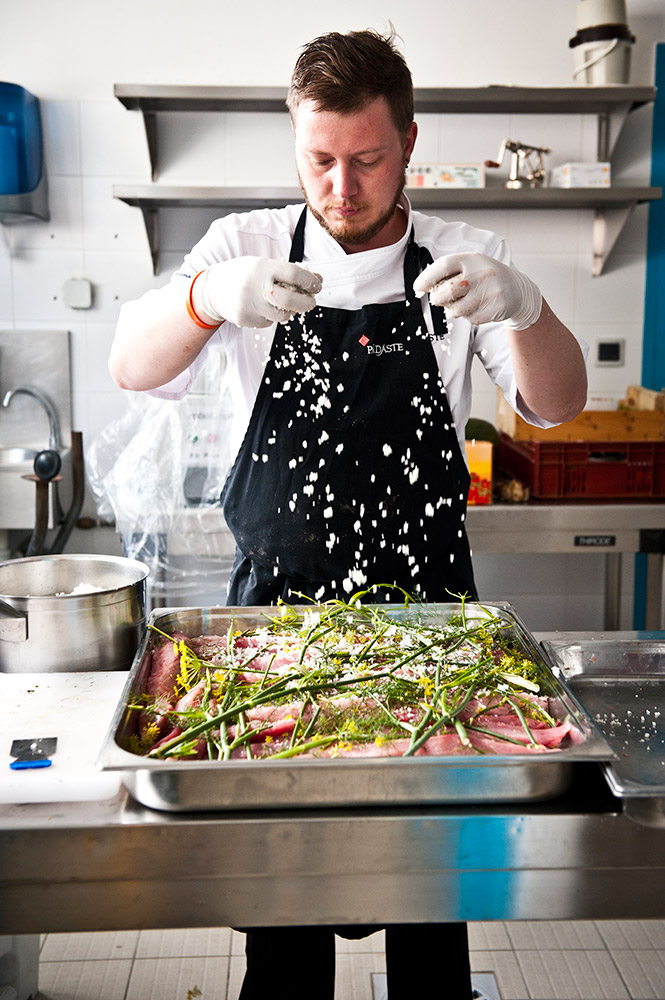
column 623, row 424
column 580, row 175
column 479, row 457
column 445, row 175
column 639, row 398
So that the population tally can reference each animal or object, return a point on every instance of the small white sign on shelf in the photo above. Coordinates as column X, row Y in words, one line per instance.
column 445, row 175
column 580, row 175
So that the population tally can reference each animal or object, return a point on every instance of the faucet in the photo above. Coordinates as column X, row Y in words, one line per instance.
column 45, row 402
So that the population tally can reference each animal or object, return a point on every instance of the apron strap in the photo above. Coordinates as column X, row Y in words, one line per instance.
column 416, row 260
column 298, row 242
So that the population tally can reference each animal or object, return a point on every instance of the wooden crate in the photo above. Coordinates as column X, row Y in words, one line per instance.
column 639, row 398
column 590, row 425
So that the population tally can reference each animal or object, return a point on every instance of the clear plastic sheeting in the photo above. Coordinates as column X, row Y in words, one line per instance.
column 157, row 472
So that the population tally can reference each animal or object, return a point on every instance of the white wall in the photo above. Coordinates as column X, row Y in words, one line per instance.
column 70, row 53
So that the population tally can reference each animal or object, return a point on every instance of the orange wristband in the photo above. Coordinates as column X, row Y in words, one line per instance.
column 192, row 312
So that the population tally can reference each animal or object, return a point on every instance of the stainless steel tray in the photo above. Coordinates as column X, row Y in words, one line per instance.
column 182, row 785
column 621, row 683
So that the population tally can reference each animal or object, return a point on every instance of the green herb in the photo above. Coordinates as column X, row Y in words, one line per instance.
column 354, row 673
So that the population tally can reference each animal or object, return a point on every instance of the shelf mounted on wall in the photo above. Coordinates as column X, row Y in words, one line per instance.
column 611, row 206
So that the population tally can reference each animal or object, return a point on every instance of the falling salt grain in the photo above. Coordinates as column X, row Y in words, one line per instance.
column 328, row 512
column 387, row 450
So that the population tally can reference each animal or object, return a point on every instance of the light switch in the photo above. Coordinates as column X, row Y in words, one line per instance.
column 77, row 293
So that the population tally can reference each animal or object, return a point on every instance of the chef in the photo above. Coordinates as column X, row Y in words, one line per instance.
column 350, row 324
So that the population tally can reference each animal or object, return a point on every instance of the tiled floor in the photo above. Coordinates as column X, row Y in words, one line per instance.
column 580, row 960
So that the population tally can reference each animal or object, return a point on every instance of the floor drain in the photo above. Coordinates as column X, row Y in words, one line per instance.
column 484, row 986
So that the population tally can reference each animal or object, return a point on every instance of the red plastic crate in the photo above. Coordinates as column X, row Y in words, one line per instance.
column 586, row 470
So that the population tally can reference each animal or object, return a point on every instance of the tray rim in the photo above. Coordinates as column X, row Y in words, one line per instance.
column 112, row 757
column 621, row 787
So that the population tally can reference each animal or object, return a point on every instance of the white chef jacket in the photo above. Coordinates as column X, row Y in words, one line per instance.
column 349, row 282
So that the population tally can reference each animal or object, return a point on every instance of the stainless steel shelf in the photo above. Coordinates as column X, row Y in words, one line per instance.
column 611, row 530
column 612, row 206
column 149, row 98
column 234, row 198
column 611, row 105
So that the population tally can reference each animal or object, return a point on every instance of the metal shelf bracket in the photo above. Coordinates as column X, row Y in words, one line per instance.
column 607, row 226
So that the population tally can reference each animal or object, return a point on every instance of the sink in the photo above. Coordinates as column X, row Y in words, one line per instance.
column 18, row 495
column 16, row 456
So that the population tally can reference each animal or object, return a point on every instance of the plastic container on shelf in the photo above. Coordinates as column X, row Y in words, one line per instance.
column 603, row 43
column 586, row 470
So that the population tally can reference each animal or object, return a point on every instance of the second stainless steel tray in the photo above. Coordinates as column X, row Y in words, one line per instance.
column 621, row 683
column 182, row 785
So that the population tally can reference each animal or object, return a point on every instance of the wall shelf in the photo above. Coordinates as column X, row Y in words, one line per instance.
column 612, row 206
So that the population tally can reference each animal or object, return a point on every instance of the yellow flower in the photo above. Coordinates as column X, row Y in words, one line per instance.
column 427, row 684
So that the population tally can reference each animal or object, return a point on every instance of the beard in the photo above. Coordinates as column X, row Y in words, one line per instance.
column 346, row 233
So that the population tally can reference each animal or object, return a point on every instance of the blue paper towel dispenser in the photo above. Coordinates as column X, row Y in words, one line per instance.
column 22, row 174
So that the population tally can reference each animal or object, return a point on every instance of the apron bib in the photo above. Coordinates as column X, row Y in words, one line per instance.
column 350, row 472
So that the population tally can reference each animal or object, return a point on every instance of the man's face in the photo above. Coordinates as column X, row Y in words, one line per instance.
column 351, row 168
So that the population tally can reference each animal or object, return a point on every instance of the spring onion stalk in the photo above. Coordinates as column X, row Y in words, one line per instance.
column 350, row 673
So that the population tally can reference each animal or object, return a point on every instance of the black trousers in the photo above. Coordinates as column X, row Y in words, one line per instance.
column 298, row 963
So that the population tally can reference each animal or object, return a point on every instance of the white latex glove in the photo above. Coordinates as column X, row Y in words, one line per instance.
column 481, row 290
column 256, row 291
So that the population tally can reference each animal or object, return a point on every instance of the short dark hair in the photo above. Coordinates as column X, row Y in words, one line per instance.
column 343, row 73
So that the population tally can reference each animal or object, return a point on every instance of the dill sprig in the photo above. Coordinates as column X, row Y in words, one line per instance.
column 359, row 673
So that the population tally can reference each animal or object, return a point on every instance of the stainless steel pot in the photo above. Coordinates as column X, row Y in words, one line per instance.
column 70, row 613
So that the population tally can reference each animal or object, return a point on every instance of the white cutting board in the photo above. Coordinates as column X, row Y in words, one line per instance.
column 77, row 708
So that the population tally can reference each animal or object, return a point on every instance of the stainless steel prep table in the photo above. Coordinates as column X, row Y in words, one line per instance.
column 609, row 529
column 116, row 865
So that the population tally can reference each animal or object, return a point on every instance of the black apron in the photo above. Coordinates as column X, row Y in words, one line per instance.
column 350, row 473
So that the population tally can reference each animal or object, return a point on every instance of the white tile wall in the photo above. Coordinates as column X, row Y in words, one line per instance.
column 192, row 148
column 259, row 150
column 38, row 278
column 108, row 223
column 61, row 124
column 92, row 142
column 6, row 296
column 113, row 142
